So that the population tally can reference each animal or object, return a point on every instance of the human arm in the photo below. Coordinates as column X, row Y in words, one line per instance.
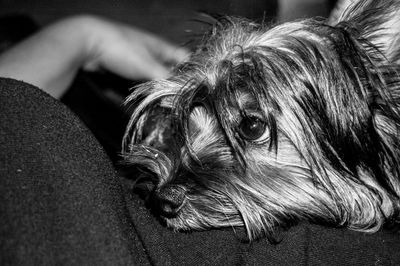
column 51, row 58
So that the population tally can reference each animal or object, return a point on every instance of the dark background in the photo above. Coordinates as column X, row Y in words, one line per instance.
column 170, row 19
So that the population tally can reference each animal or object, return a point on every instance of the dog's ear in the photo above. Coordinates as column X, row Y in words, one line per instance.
column 376, row 21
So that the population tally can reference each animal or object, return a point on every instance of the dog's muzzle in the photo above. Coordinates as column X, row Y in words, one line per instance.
column 167, row 200
column 164, row 198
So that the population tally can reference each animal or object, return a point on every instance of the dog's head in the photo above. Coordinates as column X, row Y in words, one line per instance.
column 264, row 127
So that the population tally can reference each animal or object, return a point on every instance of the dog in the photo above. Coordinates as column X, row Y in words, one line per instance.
column 266, row 127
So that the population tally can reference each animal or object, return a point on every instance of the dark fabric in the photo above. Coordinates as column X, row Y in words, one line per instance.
column 61, row 202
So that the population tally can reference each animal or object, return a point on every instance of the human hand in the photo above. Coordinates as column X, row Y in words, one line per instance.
column 128, row 51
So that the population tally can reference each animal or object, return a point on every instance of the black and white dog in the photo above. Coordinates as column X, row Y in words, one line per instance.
column 264, row 127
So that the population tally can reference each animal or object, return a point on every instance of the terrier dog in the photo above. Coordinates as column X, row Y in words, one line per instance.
column 265, row 127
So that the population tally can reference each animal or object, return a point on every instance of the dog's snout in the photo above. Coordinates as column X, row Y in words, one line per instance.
column 168, row 200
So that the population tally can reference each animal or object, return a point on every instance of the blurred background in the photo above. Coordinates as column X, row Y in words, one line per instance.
column 97, row 97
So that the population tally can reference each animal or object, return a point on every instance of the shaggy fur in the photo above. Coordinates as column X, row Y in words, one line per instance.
column 265, row 127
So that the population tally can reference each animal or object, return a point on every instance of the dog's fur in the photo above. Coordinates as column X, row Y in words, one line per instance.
column 265, row 127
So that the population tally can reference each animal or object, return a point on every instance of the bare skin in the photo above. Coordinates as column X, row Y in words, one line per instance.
column 51, row 58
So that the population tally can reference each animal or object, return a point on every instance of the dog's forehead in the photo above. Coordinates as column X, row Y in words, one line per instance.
column 235, row 57
column 238, row 38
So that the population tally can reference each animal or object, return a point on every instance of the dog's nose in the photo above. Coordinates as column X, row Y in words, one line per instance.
column 168, row 200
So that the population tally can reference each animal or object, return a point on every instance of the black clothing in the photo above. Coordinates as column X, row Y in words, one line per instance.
column 61, row 202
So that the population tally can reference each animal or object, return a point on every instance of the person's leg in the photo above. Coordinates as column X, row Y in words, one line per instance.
column 60, row 198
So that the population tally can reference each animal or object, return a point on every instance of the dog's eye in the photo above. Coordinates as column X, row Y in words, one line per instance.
column 252, row 128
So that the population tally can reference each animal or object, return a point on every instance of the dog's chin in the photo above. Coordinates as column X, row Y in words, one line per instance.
column 189, row 219
column 183, row 221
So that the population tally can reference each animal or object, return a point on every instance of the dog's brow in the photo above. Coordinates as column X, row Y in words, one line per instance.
column 248, row 102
